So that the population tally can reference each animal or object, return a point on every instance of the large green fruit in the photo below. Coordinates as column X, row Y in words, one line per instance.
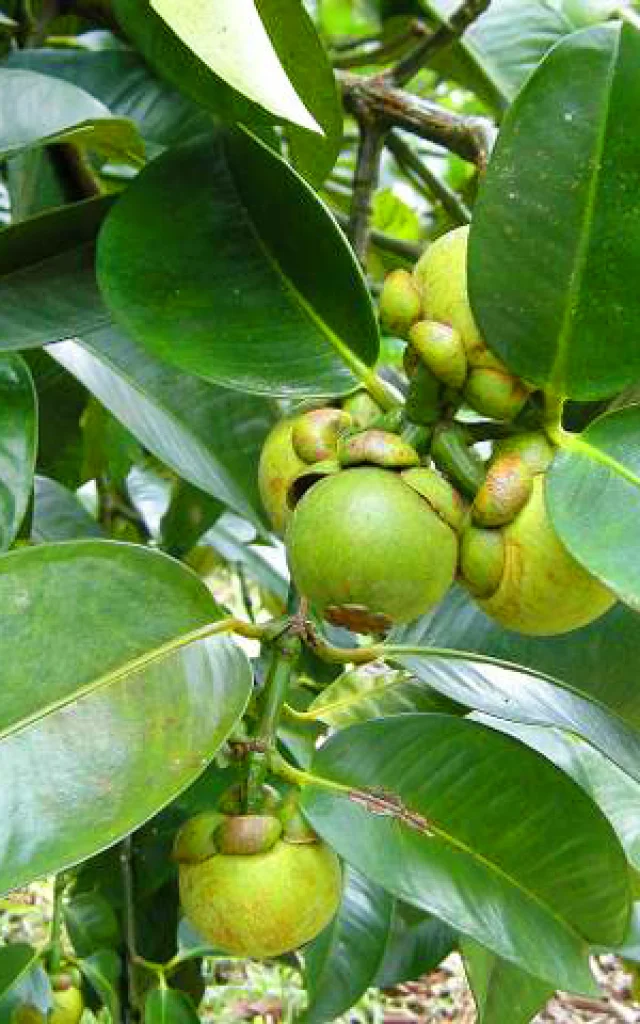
column 67, row 1006
column 264, row 904
column 278, row 466
column 368, row 550
column 542, row 590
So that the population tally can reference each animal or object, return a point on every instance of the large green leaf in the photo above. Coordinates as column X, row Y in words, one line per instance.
column 124, row 84
column 18, row 441
column 374, row 691
column 228, row 294
column 495, row 840
column 36, row 110
column 235, row 541
column 597, row 696
column 343, row 961
column 502, row 991
column 102, row 971
column 555, row 243
column 418, row 942
column 593, row 494
column 233, row 41
column 107, row 712
column 16, row 960
column 166, row 1006
column 91, row 923
column 47, row 282
column 210, row 436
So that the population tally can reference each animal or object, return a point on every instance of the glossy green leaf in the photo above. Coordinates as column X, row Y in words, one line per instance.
column 374, row 691
column 588, row 688
column 62, row 402
column 58, row 514
column 305, row 60
column 233, row 41
column 616, row 794
column 91, row 923
column 32, row 989
column 342, row 962
column 417, row 943
column 18, row 442
column 102, row 970
column 36, row 110
column 228, row 294
column 502, row 991
column 16, row 960
column 210, row 436
column 108, row 715
column 555, row 243
column 593, row 494
column 122, row 82
column 496, row 841
column 47, row 283
column 510, row 692
column 166, row 1006
column 189, row 515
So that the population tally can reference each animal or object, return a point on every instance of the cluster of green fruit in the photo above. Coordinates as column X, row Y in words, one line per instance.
column 68, row 1003
column 256, row 885
column 381, row 512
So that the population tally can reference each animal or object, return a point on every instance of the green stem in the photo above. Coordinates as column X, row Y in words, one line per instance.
column 553, row 406
column 298, row 778
column 131, row 957
column 284, row 656
column 54, row 956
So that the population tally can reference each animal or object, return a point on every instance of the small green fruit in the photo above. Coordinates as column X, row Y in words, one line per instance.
column 315, row 434
column 368, row 550
column 279, row 465
column 495, row 393
column 542, row 590
column 68, row 1005
column 399, row 302
column 441, row 348
column 264, row 904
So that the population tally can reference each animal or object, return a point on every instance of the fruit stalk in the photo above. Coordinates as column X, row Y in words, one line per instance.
column 54, row 955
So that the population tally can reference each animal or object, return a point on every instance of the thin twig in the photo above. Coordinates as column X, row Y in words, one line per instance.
column 470, row 137
column 126, row 867
column 442, row 38
column 409, row 251
column 410, row 163
column 378, row 50
column 372, row 133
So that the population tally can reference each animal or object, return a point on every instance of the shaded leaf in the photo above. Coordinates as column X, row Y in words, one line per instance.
column 18, row 442
column 210, row 436
column 342, row 962
column 264, row 563
column 532, row 879
column 593, row 494
column 242, row 303
column 37, row 110
column 116, row 699
column 47, row 283
column 417, row 943
column 16, row 960
column 502, row 991
column 166, row 1006
column 555, row 242
column 91, row 923
column 102, row 971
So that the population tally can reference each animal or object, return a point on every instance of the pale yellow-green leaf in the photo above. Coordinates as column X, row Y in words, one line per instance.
column 230, row 38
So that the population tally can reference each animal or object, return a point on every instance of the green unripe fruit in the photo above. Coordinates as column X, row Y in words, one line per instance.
column 265, row 904
column 542, row 590
column 441, row 496
column 505, row 491
column 68, row 1005
column 441, row 278
column 442, row 349
column 368, row 551
column 400, row 304
column 279, row 465
column 495, row 393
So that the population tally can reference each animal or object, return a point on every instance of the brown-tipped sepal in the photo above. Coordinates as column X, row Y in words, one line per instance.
column 442, row 349
column 495, row 393
column 196, row 840
column 248, row 834
column 362, row 409
column 377, row 448
column 400, row 304
column 482, row 559
column 534, row 449
column 315, row 434
column 505, row 491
